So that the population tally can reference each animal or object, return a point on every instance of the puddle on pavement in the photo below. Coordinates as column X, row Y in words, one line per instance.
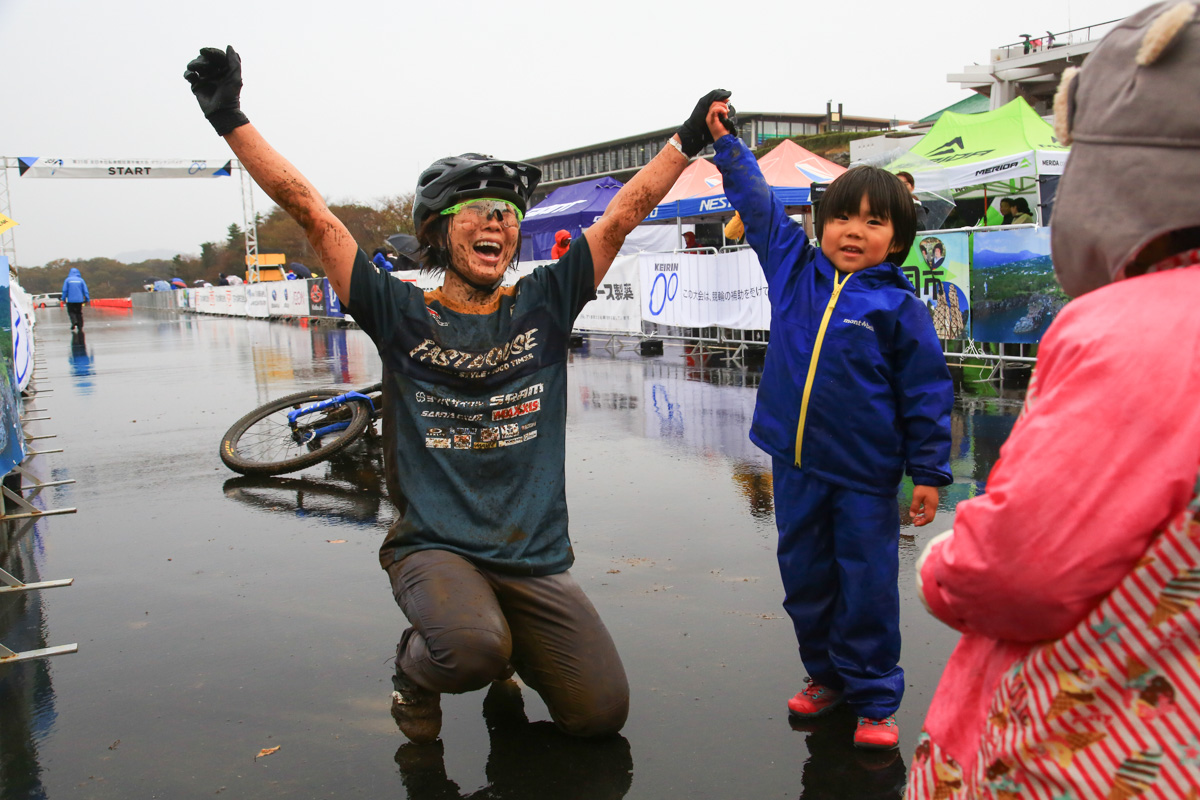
column 218, row 616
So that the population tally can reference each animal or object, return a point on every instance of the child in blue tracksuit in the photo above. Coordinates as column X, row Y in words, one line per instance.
column 855, row 391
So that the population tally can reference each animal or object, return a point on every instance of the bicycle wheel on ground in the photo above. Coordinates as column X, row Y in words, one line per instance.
column 263, row 443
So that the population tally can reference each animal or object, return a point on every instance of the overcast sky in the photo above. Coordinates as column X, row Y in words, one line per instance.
column 363, row 94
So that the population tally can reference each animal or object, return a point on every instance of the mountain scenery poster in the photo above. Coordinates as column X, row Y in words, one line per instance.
column 1015, row 295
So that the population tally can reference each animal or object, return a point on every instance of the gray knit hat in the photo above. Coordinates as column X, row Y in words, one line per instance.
column 1132, row 118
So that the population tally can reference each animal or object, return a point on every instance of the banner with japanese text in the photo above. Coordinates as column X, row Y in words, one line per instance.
column 939, row 268
column 699, row 290
column 616, row 308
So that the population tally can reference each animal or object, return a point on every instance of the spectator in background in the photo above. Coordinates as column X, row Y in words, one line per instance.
column 735, row 229
column 1006, row 210
column 233, row 280
column 689, row 241
column 1022, row 215
column 562, row 243
column 384, row 260
column 922, row 213
column 1076, row 672
column 75, row 294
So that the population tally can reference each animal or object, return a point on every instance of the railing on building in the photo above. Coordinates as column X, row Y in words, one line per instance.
column 1037, row 44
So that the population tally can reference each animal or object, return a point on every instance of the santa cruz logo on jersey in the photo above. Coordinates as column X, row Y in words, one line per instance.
column 437, row 317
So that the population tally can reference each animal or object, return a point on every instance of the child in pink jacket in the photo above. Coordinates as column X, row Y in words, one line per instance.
column 1074, row 579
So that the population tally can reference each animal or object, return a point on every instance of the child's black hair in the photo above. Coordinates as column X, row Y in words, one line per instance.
column 887, row 197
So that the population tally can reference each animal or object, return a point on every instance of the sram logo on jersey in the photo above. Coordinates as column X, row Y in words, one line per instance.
column 430, row 352
column 517, row 411
column 512, row 397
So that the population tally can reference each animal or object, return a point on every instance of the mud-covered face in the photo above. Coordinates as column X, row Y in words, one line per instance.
column 483, row 240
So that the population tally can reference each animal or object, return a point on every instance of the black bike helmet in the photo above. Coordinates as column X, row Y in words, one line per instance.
column 449, row 181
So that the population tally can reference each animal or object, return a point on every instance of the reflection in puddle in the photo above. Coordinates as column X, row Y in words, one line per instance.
column 837, row 770
column 27, row 701
column 526, row 760
column 81, row 363
column 348, row 489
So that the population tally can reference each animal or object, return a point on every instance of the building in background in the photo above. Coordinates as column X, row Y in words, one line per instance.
column 622, row 158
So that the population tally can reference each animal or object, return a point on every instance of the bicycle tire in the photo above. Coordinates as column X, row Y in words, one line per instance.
column 271, row 448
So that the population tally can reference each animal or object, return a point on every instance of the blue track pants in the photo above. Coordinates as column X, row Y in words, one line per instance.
column 839, row 559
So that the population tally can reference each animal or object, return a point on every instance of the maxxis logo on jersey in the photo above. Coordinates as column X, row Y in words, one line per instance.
column 520, row 410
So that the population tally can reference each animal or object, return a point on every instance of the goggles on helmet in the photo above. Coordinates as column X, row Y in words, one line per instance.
column 480, row 210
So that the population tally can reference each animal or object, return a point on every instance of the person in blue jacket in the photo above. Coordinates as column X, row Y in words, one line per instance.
column 75, row 294
column 855, row 392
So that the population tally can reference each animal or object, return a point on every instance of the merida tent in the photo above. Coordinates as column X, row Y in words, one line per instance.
column 1006, row 150
column 571, row 208
column 789, row 169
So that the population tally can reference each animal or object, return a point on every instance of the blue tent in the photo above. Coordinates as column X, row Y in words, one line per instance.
column 570, row 208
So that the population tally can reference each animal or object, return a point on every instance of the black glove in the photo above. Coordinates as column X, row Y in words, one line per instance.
column 693, row 133
column 216, row 79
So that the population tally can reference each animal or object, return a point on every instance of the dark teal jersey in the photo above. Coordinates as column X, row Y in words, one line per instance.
column 475, row 414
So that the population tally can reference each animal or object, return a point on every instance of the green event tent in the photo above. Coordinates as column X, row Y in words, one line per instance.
column 1005, row 150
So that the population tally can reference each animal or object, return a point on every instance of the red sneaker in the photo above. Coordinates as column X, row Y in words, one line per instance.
column 877, row 734
column 814, row 701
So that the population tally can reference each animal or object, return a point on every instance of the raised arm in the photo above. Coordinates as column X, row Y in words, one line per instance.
column 648, row 187
column 216, row 79
column 776, row 239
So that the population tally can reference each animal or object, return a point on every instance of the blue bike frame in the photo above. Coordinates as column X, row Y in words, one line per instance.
column 317, row 433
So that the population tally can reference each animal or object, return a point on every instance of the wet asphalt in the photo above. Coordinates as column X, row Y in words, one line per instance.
column 219, row 616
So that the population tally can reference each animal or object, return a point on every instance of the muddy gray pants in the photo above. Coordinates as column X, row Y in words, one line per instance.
column 472, row 626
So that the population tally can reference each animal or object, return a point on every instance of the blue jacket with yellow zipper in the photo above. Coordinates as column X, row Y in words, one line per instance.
column 855, row 389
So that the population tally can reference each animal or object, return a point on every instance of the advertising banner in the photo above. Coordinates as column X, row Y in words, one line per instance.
column 206, row 300
column 296, row 295
column 938, row 266
column 617, row 307
column 237, row 300
column 135, row 168
column 1015, row 295
column 256, row 300
column 316, row 297
column 277, row 304
column 222, row 295
column 12, row 440
column 22, row 335
column 333, row 306
column 698, row 290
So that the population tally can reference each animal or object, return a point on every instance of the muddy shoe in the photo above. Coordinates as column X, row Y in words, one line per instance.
column 815, row 701
column 417, row 711
column 877, row 734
